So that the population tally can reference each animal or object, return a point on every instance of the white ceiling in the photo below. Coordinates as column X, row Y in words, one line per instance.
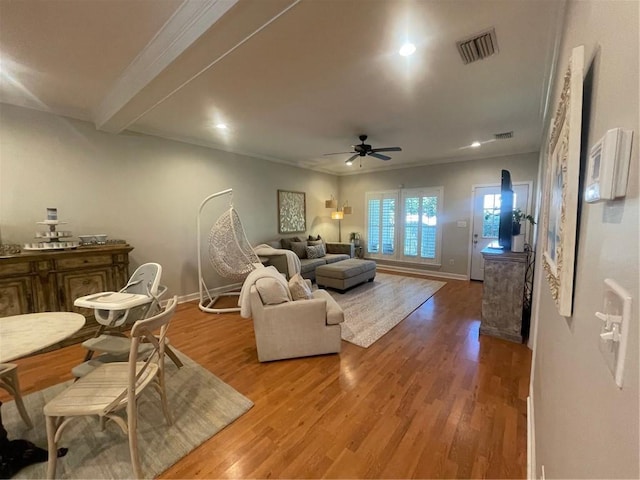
column 293, row 79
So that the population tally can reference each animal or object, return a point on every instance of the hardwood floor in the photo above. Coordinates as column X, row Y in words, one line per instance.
column 428, row 400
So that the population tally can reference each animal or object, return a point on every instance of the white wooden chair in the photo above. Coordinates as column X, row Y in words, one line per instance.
column 113, row 387
column 9, row 382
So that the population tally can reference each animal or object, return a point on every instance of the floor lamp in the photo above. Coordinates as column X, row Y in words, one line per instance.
column 338, row 214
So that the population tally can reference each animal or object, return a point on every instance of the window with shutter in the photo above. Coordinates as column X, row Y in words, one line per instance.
column 421, row 233
column 381, row 223
column 416, row 217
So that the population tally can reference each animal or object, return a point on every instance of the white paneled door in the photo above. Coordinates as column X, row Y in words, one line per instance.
column 486, row 216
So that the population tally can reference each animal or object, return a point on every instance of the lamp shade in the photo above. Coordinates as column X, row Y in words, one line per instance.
column 338, row 215
column 331, row 203
column 347, row 210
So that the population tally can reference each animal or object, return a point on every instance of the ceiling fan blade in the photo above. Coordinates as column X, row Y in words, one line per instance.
column 387, row 149
column 352, row 158
column 381, row 157
column 337, row 153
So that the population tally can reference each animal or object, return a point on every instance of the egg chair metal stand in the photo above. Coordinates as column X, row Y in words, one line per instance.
column 230, row 254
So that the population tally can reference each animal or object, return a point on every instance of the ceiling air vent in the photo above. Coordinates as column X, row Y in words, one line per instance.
column 503, row 135
column 479, row 46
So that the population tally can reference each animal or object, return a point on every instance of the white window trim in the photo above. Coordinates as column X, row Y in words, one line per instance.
column 437, row 192
column 381, row 195
column 399, row 196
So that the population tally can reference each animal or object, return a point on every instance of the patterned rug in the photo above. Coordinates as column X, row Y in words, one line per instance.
column 201, row 405
column 374, row 308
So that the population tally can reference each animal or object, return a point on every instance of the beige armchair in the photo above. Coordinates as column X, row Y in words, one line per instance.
column 296, row 328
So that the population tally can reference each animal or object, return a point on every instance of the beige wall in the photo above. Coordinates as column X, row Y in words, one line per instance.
column 147, row 191
column 142, row 189
column 456, row 178
column 585, row 426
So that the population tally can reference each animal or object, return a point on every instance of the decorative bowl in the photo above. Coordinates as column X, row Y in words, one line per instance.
column 100, row 239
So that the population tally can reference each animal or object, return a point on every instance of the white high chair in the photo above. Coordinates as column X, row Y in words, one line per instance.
column 139, row 299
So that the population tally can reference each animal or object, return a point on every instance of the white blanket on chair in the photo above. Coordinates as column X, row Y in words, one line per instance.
column 269, row 272
column 293, row 262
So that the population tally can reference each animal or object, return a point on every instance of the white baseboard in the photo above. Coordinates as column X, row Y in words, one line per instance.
column 531, row 444
column 213, row 292
column 421, row 272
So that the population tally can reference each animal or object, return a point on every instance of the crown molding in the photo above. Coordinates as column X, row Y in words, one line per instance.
column 186, row 25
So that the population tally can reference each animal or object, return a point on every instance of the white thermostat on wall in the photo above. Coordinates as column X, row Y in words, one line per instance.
column 608, row 167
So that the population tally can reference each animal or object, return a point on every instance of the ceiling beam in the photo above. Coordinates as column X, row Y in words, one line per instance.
column 184, row 48
column 186, row 25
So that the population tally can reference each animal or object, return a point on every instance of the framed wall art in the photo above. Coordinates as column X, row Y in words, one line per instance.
column 560, row 210
column 292, row 212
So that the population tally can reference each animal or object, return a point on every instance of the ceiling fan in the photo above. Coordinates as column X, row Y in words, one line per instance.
column 363, row 150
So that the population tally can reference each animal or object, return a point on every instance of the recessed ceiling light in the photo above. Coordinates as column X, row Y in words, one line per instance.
column 475, row 144
column 407, row 49
column 221, row 126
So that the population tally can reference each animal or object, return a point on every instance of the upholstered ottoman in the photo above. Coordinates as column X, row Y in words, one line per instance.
column 346, row 273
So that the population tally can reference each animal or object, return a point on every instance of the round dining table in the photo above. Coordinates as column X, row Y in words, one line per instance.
column 21, row 335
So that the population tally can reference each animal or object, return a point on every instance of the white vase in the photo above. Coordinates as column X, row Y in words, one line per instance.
column 517, row 243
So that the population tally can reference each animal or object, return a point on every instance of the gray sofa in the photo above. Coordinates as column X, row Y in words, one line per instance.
column 335, row 252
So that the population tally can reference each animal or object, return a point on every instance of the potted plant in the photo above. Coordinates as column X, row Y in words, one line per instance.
column 355, row 239
column 518, row 217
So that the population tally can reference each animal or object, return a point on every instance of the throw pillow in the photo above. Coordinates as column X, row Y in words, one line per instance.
column 315, row 242
column 271, row 291
column 299, row 248
column 312, row 238
column 299, row 288
column 315, row 251
column 286, row 242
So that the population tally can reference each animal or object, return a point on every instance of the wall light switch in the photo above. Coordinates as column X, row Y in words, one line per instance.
column 608, row 169
column 615, row 317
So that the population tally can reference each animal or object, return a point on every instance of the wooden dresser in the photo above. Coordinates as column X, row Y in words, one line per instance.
column 48, row 281
column 503, row 293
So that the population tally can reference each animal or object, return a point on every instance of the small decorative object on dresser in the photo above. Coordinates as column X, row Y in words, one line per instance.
column 518, row 236
column 7, row 250
column 518, row 217
column 52, row 239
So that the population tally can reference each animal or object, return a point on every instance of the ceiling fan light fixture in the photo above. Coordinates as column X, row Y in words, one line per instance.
column 407, row 49
column 362, row 150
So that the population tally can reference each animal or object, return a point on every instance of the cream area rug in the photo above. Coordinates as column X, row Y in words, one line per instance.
column 201, row 405
column 374, row 308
